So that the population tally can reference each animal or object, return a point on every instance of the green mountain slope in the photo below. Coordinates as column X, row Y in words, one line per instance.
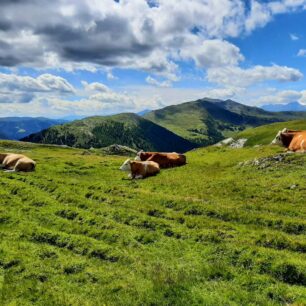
column 19, row 127
column 207, row 121
column 266, row 133
column 125, row 129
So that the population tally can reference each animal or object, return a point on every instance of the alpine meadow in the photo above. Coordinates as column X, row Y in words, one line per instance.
column 214, row 232
column 152, row 153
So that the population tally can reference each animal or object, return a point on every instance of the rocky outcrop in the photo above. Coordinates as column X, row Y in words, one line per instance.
column 232, row 143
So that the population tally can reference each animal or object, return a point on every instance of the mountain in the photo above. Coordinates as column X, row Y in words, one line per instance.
column 207, row 121
column 3, row 136
column 126, row 129
column 18, row 127
column 293, row 106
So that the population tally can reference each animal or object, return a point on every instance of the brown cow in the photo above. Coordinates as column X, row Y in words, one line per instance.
column 139, row 169
column 165, row 160
column 16, row 162
column 293, row 140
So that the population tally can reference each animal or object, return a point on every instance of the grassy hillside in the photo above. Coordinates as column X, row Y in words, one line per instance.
column 77, row 232
column 206, row 122
column 124, row 129
column 20, row 127
column 266, row 133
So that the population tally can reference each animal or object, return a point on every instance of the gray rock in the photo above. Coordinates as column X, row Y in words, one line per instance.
column 232, row 143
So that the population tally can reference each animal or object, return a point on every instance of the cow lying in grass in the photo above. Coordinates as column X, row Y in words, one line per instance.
column 140, row 170
column 165, row 160
column 294, row 141
column 16, row 162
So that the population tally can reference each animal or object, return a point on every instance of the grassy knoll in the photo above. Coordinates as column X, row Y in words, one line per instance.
column 76, row 232
column 266, row 133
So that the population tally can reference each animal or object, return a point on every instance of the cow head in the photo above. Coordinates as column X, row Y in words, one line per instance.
column 138, row 155
column 126, row 166
column 278, row 138
column 2, row 157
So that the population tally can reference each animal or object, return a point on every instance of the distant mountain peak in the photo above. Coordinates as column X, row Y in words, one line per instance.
column 143, row 112
column 294, row 106
column 15, row 128
column 207, row 121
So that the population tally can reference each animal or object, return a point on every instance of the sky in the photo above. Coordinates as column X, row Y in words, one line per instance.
column 77, row 58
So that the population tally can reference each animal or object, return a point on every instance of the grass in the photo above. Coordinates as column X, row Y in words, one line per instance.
column 77, row 232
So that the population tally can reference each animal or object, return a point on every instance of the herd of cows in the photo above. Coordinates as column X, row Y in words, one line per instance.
column 148, row 164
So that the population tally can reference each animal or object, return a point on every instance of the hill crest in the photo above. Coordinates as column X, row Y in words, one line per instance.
column 126, row 129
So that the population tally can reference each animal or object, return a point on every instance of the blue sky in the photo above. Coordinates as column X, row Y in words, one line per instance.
column 91, row 57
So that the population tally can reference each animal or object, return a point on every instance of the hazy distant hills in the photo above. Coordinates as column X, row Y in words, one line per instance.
column 143, row 112
column 290, row 107
column 3, row 136
column 125, row 129
column 207, row 121
column 19, row 127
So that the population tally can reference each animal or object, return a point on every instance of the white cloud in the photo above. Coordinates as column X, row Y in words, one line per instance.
column 213, row 53
column 95, row 87
column 283, row 6
column 43, row 83
column 259, row 16
column 294, row 37
column 22, row 89
column 94, row 34
column 263, row 12
column 154, row 82
column 281, row 97
column 301, row 53
column 238, row 77
column 110, row 76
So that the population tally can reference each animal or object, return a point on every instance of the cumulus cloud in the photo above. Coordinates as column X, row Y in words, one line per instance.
column 140, row 34
column 293, row 37
column 95, row 87
column 92, row 99
column 281, row 97
column 22, row 89
column 213, row 53
column 301, row 53
column 152, row 81
column 238, row 77
column 259, row 16
column 263, row 12
column 43, row 83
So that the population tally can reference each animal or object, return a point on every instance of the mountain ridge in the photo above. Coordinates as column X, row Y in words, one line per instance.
column 126, row 129
column 292, row 106
column 178, row 127
column 207, row 121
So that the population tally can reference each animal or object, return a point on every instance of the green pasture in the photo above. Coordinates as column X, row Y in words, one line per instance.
column 78, row 232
